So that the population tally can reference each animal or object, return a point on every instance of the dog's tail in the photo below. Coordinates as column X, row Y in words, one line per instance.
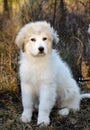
column 86, row 95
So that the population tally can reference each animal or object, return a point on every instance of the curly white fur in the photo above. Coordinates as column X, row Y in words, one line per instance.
column 45, row 77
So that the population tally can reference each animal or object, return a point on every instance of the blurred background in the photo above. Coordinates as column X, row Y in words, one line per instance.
column 71, row 19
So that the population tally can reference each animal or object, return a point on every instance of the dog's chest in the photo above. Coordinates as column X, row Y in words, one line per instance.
column 41, row 72
column 36, row 73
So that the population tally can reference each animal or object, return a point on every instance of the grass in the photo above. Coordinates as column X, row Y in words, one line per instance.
column 11, row 108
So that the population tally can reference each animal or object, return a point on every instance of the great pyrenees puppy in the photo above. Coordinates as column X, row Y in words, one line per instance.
column 45, row 78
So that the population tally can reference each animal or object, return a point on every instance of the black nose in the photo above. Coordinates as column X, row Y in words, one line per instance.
column 41, row 49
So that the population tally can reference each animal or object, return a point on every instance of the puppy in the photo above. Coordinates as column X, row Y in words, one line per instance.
column 45, row 78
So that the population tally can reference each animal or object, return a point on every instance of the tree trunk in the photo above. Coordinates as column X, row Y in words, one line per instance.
column 62, row 15
column 54, row 15
column 6, row 8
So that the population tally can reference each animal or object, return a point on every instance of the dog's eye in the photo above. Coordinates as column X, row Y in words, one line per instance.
column 33, row 39
column 44, row 38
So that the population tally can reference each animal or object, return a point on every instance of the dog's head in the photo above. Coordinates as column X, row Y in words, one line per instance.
column 36, row 38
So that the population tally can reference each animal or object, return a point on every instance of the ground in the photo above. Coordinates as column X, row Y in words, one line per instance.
column 11, row 109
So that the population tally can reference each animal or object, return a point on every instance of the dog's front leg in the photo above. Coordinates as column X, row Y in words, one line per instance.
column 47, row 100
column 27, row 101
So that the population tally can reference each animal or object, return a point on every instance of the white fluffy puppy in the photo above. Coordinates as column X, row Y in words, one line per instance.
column 45, row 78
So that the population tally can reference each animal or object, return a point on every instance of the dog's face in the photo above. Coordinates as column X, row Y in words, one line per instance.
column 36, row 39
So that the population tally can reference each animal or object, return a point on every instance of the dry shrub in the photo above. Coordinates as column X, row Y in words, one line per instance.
column 8, row 55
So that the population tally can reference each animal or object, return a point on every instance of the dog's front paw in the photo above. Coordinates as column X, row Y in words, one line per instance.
column 25, row 118
column 43, row 121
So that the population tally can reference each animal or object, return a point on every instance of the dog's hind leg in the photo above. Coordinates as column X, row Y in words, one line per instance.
column 69, row 104
column 69, row 95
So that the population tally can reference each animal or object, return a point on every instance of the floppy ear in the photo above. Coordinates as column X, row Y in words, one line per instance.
column 20, row 37
column 55, row 36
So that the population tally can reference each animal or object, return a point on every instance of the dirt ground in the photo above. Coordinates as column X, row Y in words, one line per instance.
column 11, row 108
